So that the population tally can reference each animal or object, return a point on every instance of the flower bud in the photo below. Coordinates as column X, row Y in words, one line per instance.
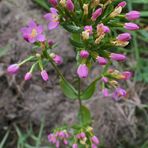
column 117, row 57
column 132, row 15
column 65, row 142
column 93, row 146
column 85, row 35
column 28, row 76
column 124, row 37
column 50, row 42
column 44, row 75
column 96, row 14
column 74, row 145
column 131, row 26
column 126, row 75
column 95, row 140
column 82, row 71
column 82, row 135
column 89, row 29
column 53, row 2
column 84, row 54
column 105, row 92
column 13, row 69
column 58, row 59
column 101, row 60
column 85, row 8
column 122, row 4
column 104, row 79
column 119, row 92
column 70, row 5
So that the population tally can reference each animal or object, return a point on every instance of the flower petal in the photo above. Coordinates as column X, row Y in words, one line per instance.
column 53, row 25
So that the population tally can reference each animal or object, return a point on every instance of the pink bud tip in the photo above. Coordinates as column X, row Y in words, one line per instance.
column 82, row 71
column 50, row 42
column 122, row 4
column 105, row 92
column 106, row 29
column 104, row 79
column 124, row 37
column 74, row 145
column 95, row 140
column 82, row 135
column 84, row 54
column 44, row 75
column 132, row 15
column 118, row 57
column 127, row 75
column 96, row 14
column 119, row 92
column 65, row 142
column 101, row 60
column 93, row 146
column 27, row 76
column 58, row 59
column 13, row 69
column 70, row 5
column 89, row 29
column 131, row 26
column 53, row 2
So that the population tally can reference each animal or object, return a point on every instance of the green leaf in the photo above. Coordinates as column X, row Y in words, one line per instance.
column 68, row 89
column 43, row 3
column 78, row 44
column 84, row 115
column 89, row 91
column 72, row 28
column 2, row 143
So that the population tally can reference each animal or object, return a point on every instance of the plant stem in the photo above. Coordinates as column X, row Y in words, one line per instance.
column 79, row 90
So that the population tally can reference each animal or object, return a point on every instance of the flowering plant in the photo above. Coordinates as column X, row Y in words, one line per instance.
column 91, row 25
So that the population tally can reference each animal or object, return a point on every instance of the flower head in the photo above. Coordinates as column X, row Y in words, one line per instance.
column 131, row 26
column 74, row 145
column 70, row 5
column 126, row 75
column 28, row 76
column 88, row 29
column 132, row 15
column 58, row 59
column 101, row 60
column 122, row 4
column 105, row 92
column 53, row 2
column 84, row 54
column 117, row 57
column 52, row 18
column 44, row 75
column 95, row 140
column 119, row 92
column 124, row 37
column 13, row 69
column 33, row 32
column 82, row 71
column 96, row 14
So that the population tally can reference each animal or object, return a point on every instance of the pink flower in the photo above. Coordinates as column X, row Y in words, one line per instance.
column 50, row 42
column 95, row 140
column 124, row 37
column 132, row 15
column 52, row 138
column 82, row 71
column 118, row 57
column 122, row 4
column 93, row 146
column 101, row 60
column 53, row 2
column 119, row 92
column 70, row 5
column 58, row 59
column 44, row 75
column 74, row 145
column 84, row 54
column 28, row 76
column 33, row 32
column 104, row 79
column 65, row 142
column 131, row 26
column 89, row 29
column 127, row 75
column 101, row 28
column 13, row 69
column 53, row 18
column 105, row 92
column 96, row 14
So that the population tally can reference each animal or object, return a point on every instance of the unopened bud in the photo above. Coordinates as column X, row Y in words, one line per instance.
column 116, row 12
column 85, row 35
column 85, row 8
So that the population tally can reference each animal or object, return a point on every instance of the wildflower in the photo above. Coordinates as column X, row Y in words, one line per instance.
column 119, row 92
column 117, row 57
column 124, row 37
column 101, row 60
column 85, row 35
column 96, row 14
column 74, row 145
column 82, row 71
column 122, row 4
column 95, row 140
column 58, row 59
column 93, row 146
column 132, row 15
column 131, row 26
column 70, row 5
column 105, row 92
column 126, row 75
column 85, row 8
column 102, row 29
column 50, row 42
column 88, row 29
column 33, row 32
column 84, row 54
column 44, row 75
column 53, row 2
column 104, row 79
column 13, row 69
column 28, row 76
column 53, row 18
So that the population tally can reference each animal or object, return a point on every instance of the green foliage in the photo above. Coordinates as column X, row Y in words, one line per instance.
column 43, row 3
column 2, row 143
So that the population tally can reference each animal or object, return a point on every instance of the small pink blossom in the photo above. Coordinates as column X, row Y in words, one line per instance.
column 104, row 79
column 13, row 69
column 101, row 28
column 131, row 26
column 122, row 4
column 119, row 92
column 52, row 18
column 117, row 57
column 44, row 75
column 127, row 75
column 124, row 37
column 70, row 5
column 82, row 71
column 132, row 15
column 101, row 60
column 105, row 92
column 93, row 146
column 89, row 29
column 84, row 54
column 74, row 145
column 58, row 59
column 96, row 14
column 95, row 140
column 28, row 76
column 53, row 2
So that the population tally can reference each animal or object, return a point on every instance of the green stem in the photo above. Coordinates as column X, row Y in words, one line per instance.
column 81, row 4
column 79, row 92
